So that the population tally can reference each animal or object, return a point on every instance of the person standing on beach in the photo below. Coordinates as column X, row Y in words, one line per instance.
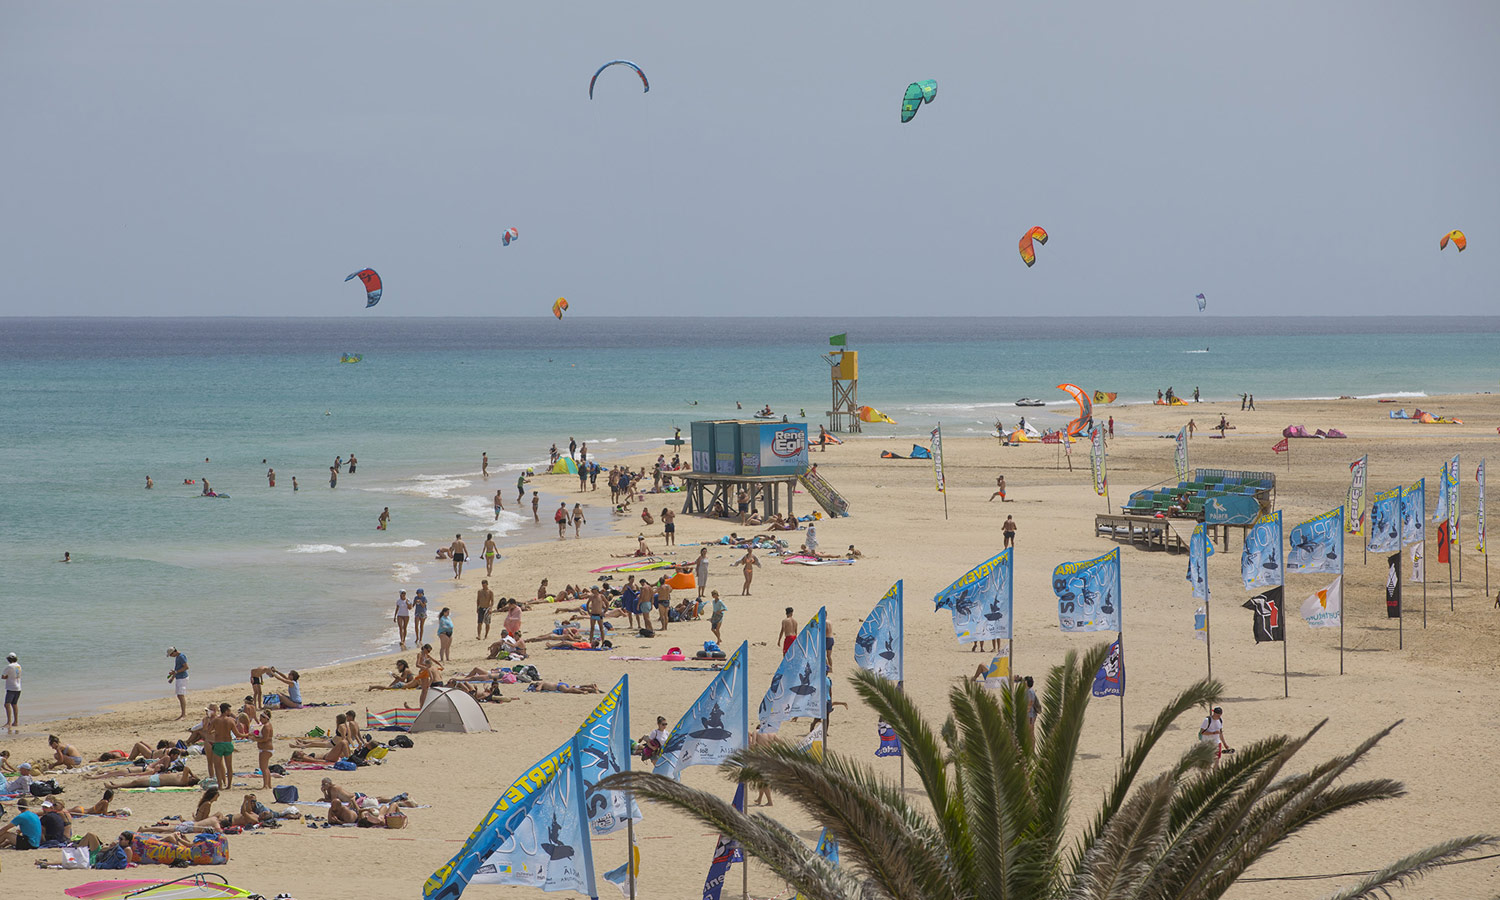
column 520, row 487
column 271, row 477
column 788, row 633
column 402, row 616
column 484, row 465
column 264, row 735
column 812, row 539
column 352, row 463
column 572, row 449
column 384, row 520
column 484, row 606
column 646, row 602
column 1242, row 401
column 663, row 601
column 1252, row 401
column 459, row 552
column 219, row 736
column 491, row 553
column 583, row 454
column 178, row 678
column 596, row 614
column 1111, row 426
column 670, row 525
column 419, row 616
column 1033, row 707
column 536, row 500
column 1195, row 394
column 700, row 570
column 1009, row 530
column 500, row 504
column 12, row 691
column 445, row 632
column 749, row 563
column 583, row 476
column 561, row 518
column 578, row 520
column 716, row 618
column 1192, row 426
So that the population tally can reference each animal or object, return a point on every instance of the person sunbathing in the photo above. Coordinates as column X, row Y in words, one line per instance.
column 252, row 812
column 340, row 813
column 488, row 694
column 403, row 677
column 557, row 687
column 780, row 523
column 332, row 792
column 100, row 808
column 185, row 778
column 174, row 833
column 337, row 751
column 375, row 818
column 168, row 763
column 513, row 644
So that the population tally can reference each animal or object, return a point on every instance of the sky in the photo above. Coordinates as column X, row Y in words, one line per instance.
column 188, row 158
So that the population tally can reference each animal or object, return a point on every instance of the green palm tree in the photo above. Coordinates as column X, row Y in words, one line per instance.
column 1000, row 805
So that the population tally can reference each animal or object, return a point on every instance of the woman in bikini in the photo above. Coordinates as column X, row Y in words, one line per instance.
column 491, row 552
column 100, row 808
column 264, row 734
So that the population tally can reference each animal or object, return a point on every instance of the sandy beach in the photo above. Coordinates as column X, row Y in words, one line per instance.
column 1442, row 683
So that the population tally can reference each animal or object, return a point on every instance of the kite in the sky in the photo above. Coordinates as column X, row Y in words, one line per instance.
column 372, row 285
column 917, row 93
column 1202, row 303
column 510, row 234
column 559, row 306
column 1028, row 252
column 619, row 62
column 1458, row 239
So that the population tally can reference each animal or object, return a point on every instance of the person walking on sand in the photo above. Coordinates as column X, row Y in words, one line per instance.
column 500, row 503
column 700, row 570
column 749, row 563
column 1009, row 530
column 484, row 606
column 178, row 678
column 596, row 615
column 12, row 691
column 561, row 518
column 520, row 487
column 271, row 477
column 536, row 500
column 491, row 553
column 669, row 525
column 788, row 632
column 716, row 617
column 1192, row 426
column 1242, row 401
column 572, row 449
column 578, row 520
column 1212, row 732
column 1252, row 401
column 1195, row 394
column 484, row 465
column 999, row 490
column 418, row 616
column 458, row 551
column 384, row 520
column 402, row 616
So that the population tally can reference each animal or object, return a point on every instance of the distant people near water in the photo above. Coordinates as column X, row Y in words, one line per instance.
column 578, row 520
column 1159, row 396
column 458, row 552
column 1111, row 426
column 338, row 464
column 572, row 449
column 491, row 553
column 67, row 556
column 352, row 463
column 1195, row 390
column 520, row 487
column 402, row 616
column 561, row 518
column 500, row 504
column 383, row 520
column 333, row 477
column 149, row 483
column 178, row 678
column 12, row 691
column 1009, row 530
column 1243, row 396
column 1252, row 401
column 484, row 465
column 270, row 478
column 418, row 616
column 536, row 500
column 294, row 484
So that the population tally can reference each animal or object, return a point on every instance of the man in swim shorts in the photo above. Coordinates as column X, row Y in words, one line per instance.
column 484, row 605
column 12, row 691
column 218, row 733
column 596, row 613
column 460, row 552
column 1009, row 530
column 499, row 505
column 788, row 632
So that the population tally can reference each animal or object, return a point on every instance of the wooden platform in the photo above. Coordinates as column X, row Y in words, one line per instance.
column 1149, row 531
column 704, row 489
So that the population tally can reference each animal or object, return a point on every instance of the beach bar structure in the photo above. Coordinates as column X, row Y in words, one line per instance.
column 1219, row 498
column 755, row 455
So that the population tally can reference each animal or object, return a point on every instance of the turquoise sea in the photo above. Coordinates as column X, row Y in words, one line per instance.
column 90, row 407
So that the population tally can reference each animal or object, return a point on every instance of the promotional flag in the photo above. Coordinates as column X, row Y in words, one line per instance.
column 1418, row 563
column 1199, row 550
column 997, row 673
column 877, row 647
column 1323, row 609
column 1317, row 545
column 828, row 848
column 1443, row 556
column 981, row 601
column 800, row 685
column 620, row 877
column 1260, row 562
column 1479, row 477
column 1354, row 500
column 1180, row 457
column 1200, row 623
column 1385, row 521
column 1453, row 504
column 937, row 458
column 890, row 743
column 1414, row 513
column 1268, row 624
column 716, row 725
column 839, row 340
column 1096, row 461
column 603, row 750
column 1281, row 446
column 726, row 853
column 1088, row 593
column 1393, row 587
column 1109, row 681
column 534, row 836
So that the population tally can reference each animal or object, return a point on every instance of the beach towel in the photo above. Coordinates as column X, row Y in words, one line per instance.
column 302, row 766
column 801, row 560
column 207, row 850
column 158, row 790
column 637, row 658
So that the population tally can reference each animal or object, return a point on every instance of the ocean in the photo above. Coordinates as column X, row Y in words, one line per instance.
column 90, row 407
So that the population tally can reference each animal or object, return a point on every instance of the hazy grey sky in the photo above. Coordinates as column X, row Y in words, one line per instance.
column 174, row 158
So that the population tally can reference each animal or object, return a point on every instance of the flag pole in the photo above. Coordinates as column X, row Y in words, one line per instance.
column 1450, row 570
column 1424, row 564
column 630, row 853
column 1119, row 637
column 1342, row 612
column 1208, row 631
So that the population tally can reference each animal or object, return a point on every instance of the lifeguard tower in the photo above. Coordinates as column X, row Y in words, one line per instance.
column 844, row 416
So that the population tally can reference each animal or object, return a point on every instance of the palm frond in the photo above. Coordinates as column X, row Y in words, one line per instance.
column 1413, row 866
column 1127, row 845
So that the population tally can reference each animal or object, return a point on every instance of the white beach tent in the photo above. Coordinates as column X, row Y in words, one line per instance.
column 449, row 709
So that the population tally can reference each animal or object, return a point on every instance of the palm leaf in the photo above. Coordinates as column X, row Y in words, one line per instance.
column 1413, row 866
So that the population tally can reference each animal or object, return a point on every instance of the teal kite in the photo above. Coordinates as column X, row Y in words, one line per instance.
column 917, row 93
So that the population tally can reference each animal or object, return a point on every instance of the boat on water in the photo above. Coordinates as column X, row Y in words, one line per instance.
column 351, row 358
column 188, row 887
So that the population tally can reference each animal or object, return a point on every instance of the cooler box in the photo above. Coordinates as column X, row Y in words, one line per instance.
column 773, row 448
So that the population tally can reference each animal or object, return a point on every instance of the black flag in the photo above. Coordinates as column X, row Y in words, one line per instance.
column 1393, row 587
column 1268, row 623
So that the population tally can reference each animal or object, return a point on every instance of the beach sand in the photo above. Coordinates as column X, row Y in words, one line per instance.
column 1443, row 683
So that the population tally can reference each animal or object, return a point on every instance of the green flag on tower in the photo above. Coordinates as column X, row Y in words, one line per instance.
column 839, row 340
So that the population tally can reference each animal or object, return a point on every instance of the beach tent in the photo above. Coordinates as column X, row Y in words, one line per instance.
column 449, row 709
column 564, row 466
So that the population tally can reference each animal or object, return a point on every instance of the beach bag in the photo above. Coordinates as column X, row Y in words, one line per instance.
column 402, row 741
column 112, row 857
column 285, row 793
column 45, row 788
column 395, row 820
column 508, row 678
column 209, row 784
column 342, row 765
column 271, row 701
column 560, row 516
column 75, row 857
